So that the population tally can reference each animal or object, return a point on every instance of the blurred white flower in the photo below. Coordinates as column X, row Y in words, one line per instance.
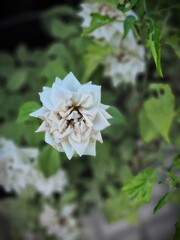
column 126, row 63
column 61, row 224
column 48, row 185
column 72, row 115
column 15, row 165
column 111, row 32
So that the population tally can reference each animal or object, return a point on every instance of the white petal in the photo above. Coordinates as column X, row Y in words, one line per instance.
column 79, row 147
column 43, row 127
column 68, row 149
column 58, row 81
column 59, row 94
column 46, row 100
column 86, row 100
column 95, row 90
column 97, row 136
column 39, row 113
column 71, row 82
column 91, row 148
column 100, row 122
column 49, row 139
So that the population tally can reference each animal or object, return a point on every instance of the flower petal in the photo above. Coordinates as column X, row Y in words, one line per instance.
column 100, row 122
column 46, row 100
column 91, row 148
column 68, row 149
column 70, row 82
column 58, row 81
column 43, row 127
column 59, row 94
column 39, row 113
column 95, row 90
column 79, row 147
column 49, row 138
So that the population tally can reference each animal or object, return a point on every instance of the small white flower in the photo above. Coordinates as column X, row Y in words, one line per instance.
column 112, row 32
column 126, row 63
column 48, row 185
column 15, row 165
column 61, row 224
column 72, row 115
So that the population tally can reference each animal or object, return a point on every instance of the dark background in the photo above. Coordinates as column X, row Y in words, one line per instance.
column 20, row 22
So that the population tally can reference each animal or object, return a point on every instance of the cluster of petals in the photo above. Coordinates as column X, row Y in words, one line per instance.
column 72, row 115
column 110, row 30
column 128, row 57
column 60, row 224
column 15, row 165
column 126, row 62
column 46, row 186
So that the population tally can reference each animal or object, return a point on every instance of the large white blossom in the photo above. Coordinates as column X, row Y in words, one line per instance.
column 48, row 185
column 111, row 32
column 126, row 62
column 61, row 223
column 72, row 115
column 15, row 165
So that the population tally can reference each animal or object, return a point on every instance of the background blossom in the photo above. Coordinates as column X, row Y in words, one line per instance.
column 15, row 165
column 61, row 224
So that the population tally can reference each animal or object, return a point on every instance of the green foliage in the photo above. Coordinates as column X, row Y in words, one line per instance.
column 129, row 22
column 176, row 161
column 174, row 42
column 96, row 22
column 95, row 54
column 17, row 80
column 157, row 114
column 62, row 30
column 117, row 117
column 139, row 188
column 177, row 233
column 153, row 43
column 49, row 161
column 26, row 109
column 163, row 201
column 119, row 207
column 126, row 5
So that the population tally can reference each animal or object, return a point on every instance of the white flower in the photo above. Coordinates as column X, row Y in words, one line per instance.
column 61, row 224
column 126, row 63
column 72, row 115
column 15, row 165
column 48, row 185
column 111, row 32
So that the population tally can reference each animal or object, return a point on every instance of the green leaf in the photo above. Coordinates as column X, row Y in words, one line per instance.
column 129, row 22
column 174, row 42
column 17, row 79
column 126, row 5
column 175, row 180
column 26, row 109
column 119, row 207
column 157, row 113
column 95, row 54
column 97, row 21
column 177, row 233
column 49, row 161
column 139, row 188
column 147, row 128
column 117, row 116
column 52, row 70
column 176, row 161
column 161, row 203
column 62, row 30
column 153, row 43
column 59, row 10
